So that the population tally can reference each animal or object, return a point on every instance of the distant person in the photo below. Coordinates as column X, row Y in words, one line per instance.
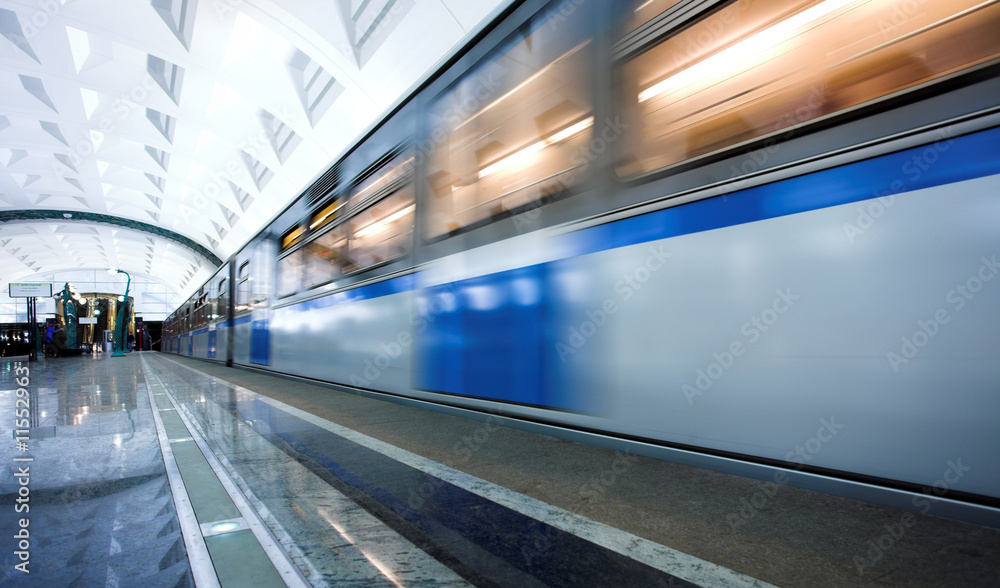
column 59, row 341
column 130, row 341
column 49, row 348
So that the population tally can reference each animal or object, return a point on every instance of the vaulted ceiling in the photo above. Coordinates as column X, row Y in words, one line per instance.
column 160, row 135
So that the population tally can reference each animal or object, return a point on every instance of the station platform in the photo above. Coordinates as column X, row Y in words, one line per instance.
column 154, row 470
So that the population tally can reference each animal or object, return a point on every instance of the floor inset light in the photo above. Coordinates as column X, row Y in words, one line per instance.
column 224, row 527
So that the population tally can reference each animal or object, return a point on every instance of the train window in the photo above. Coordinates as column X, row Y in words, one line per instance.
column 263, row 251
column 757, row 68
column 643, row 11
column 383, row 227
column 262, row 256
column 243, row 288
column 325, row 257
column 382, row 231
column 292, row 236
column 200, row 310
column 290, row 270
column 393, row 173
column 222, row 298
column 326, row 215
column 512, row 133
column 380, row 228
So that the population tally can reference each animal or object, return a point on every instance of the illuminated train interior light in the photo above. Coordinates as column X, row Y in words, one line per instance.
column 381, row 224
column 521, row 155
column 745, row 51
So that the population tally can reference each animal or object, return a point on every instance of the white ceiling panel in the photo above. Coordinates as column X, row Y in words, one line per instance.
column 136, row 111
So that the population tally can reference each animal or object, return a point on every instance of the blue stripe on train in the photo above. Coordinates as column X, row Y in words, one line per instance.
column 490, row 336
column 377, row 290
column 487, row 343
column 948, row 161
column 260, row 343
column 945, row 162
column 484, row 337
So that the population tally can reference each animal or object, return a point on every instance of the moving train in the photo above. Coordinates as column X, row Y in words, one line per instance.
column 758, row 236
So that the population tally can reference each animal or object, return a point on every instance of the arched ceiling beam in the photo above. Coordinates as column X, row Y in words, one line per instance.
column 93, row 217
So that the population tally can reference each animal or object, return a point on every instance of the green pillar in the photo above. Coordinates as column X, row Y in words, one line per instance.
column 69, row 316
column 121, row 324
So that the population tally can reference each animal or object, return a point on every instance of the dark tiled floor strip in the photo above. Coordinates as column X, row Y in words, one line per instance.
column 488, row 544
column 238, row 558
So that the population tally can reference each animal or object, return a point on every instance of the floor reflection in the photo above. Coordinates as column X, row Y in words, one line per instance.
column 100, row 509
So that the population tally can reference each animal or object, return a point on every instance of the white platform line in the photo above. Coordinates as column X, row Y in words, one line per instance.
column 661, row 557
column 289, row 573
column 202, row 569
column 315, row 578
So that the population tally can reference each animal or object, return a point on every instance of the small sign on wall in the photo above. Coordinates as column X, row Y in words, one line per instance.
column 30, row 290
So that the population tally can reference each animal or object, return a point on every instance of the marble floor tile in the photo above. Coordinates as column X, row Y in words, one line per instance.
column 100, row 511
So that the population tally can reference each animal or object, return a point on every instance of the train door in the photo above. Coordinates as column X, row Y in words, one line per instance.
column 262, row 264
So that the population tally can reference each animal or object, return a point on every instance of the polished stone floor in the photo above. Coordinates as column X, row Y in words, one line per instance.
column 352, row 513
column 330, row 537
column 99, row 510
column 358, row 491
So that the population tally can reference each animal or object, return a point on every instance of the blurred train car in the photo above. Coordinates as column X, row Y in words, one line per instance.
column 200, row 327
column 758, row 236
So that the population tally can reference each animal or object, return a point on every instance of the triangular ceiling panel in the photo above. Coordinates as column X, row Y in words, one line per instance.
column 53, row 129
column 15, row 155
column 34, row 86
column 179, row 16
column 200, row 118
column 10, row 27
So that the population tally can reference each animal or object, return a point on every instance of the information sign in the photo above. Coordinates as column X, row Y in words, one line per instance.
column 36, row 290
